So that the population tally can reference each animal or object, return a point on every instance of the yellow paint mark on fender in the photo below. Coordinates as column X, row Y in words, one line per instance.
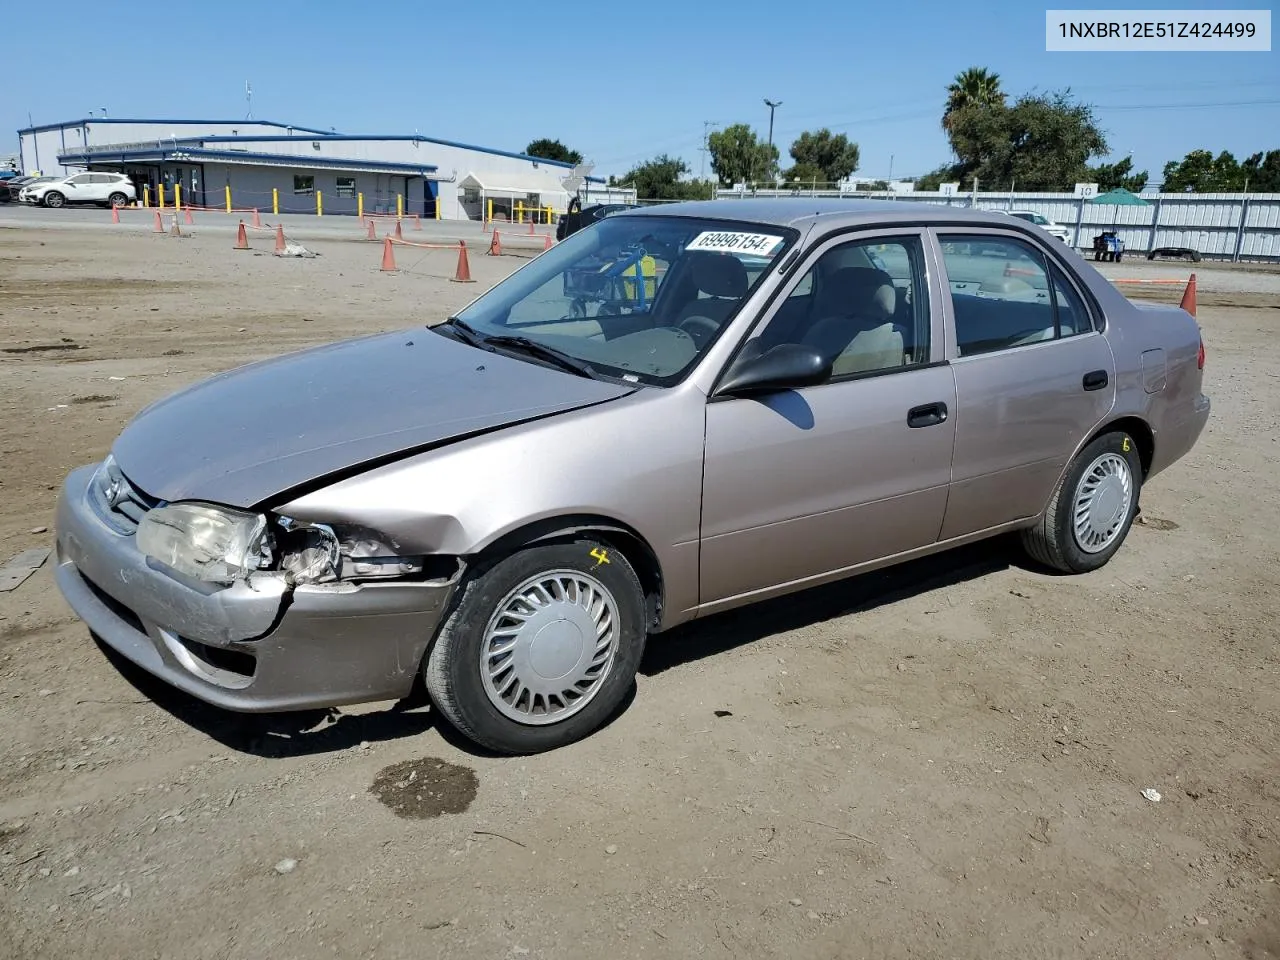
column 600, row 556
column 1125, row 445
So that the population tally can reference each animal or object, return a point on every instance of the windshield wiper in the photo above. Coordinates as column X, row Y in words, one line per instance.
column 543, row 352
column 464, row 331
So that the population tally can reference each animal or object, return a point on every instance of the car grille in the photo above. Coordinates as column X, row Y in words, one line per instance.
column 118, row 502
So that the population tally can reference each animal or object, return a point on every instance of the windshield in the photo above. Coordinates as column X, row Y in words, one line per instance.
column 581, row 298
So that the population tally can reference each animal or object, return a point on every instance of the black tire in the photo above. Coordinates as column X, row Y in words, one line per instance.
column 117, row 200
column 54, row 199
column 451, row 669
column 1052, row 541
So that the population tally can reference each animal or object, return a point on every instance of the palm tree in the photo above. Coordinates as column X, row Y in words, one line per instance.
column 976, row 86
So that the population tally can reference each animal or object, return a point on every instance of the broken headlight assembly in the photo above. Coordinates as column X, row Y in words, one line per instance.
column 311, row 553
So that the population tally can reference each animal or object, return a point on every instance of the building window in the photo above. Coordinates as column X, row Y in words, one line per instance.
column 346, row 186
column 470, row 195
column 304, row 185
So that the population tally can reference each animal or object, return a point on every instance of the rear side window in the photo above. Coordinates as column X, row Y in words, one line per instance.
column 1005, row 294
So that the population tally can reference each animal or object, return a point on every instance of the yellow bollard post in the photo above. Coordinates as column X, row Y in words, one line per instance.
column 360, row 205
column 146, row 195
column 437, row 208
column 319, row 204
column 519, row 211
column 275, row 201
column 399, row 205
column 490, row 218
column 160, row 191
column 228, row 198
column 177, row 197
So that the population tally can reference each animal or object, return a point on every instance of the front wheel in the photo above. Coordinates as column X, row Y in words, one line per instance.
column 541, row 647
column 54, row 199
column 1092, row 509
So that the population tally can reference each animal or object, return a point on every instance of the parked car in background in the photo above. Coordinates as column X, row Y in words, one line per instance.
column 1040, row 220
column 801, row 390
column 105, row 189
column 10, row 189
column 576, row 218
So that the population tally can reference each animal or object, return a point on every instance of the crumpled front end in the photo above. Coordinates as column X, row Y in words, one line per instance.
column 258, row 644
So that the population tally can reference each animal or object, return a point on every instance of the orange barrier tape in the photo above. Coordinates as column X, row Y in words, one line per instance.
column 1135, row 280
column 425, row 246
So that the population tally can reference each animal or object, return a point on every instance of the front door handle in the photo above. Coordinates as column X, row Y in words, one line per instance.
column 928, row 415
column 1095, row 380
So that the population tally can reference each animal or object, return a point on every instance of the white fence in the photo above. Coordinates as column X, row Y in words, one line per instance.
column 1220, row 226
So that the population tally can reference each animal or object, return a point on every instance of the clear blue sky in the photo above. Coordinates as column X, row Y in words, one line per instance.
column 621, row 82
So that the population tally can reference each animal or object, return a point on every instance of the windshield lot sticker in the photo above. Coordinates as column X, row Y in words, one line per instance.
column 719, row 241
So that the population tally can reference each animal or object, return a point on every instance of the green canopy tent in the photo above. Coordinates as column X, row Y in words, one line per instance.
column 1120, row 197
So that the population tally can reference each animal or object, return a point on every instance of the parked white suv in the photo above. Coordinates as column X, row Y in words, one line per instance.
column 1040, row 220
column 109, row 189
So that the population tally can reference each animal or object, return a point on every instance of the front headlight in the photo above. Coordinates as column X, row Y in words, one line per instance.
column 319, row 553
column 210, row 543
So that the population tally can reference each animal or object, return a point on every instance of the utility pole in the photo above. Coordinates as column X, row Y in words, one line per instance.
column 706, row 126
column 772, row 105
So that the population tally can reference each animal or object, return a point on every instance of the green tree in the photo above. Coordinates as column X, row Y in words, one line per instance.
column 935, row 178
column 1041, row 142
column 807, row 175
column 659, row 179
column 1262, row 172
column 553, row 150
column 1109, row 176
column 738, row 156
column 1204, row 173
column 833, row 154
column 975, row 87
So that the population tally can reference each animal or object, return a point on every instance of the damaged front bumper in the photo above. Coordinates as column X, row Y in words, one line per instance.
column 256, row 646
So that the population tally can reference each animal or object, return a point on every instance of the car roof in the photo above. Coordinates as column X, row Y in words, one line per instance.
column 831, row 212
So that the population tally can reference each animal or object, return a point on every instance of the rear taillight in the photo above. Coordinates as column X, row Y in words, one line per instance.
column 1200, row 357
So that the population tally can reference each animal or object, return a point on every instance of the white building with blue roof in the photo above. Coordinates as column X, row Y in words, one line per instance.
column 268, row 165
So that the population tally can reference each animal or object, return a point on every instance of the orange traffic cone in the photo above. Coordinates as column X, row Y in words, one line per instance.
column 242, row 239
column 463, row 274
column 1189, row 296
column 175, row 230
column 417, row 222
column 187, row 215
column 257, row 220
column 495, row 245
column 547, row 244
column 373, row 232
column 399, row 232
column 388, row 256
column 530, row 228
column 159, row 227
column 279, row 239
column 115, row 213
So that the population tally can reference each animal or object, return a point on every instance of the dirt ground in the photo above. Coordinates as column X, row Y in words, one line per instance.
column 943, row 760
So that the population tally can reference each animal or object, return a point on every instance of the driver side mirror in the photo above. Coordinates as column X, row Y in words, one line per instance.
column 788, row 366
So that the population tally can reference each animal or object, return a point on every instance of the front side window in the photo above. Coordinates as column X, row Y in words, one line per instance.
column 638, row 298
column 863, row 304
column 1002, row 297
column 304, row 185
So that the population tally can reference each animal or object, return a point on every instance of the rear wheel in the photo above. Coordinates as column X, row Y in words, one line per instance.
column 118, row 200
column 1092, row 509
column 541, row 647
column 54, row 199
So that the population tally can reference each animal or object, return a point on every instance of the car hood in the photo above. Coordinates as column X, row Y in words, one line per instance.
column 251, row 434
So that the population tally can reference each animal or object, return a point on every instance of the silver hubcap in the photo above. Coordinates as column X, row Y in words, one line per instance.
column 549, row 647
column 1102, row 502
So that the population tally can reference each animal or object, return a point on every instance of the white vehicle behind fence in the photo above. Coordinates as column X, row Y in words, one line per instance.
column 107, row 189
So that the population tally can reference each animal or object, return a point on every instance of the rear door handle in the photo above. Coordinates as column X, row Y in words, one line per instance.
column 928, row 415
column 1095, row 380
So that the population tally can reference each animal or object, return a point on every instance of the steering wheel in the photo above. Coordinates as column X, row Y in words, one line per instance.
column 699, row 328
